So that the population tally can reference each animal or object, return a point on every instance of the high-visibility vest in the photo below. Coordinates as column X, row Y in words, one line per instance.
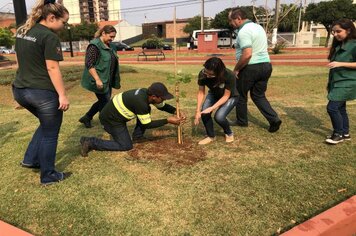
column 125, row 112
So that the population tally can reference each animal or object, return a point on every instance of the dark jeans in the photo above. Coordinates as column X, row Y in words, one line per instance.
column 138, row 131
column 103, row 99
column 338, row 116
column 42, row 148
column 121, row 139
column 220, row 114
column 254, row 78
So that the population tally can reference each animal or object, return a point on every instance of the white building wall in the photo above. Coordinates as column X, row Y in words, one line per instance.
column 114, row 7
column 126, row 31
column 74, row 11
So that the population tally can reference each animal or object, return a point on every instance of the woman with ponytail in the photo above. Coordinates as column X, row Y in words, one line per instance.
column 101, row 72
column 39, row 86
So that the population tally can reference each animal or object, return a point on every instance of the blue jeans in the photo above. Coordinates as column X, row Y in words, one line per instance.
column 220, row 114
column 254, row 78
column 103, row 99
column 338, row 116
column 42, row 148
column 121, row 139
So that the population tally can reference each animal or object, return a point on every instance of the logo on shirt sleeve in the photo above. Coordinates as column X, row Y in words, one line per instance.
column 59, row 51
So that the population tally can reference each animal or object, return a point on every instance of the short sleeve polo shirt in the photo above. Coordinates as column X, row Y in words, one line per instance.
column 252, row 35
column 32, row 51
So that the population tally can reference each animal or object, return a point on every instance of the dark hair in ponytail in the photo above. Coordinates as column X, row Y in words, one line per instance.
column 40, row 11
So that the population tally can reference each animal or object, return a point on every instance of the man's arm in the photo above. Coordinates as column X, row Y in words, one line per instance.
column 244, row 59
column 166, row 107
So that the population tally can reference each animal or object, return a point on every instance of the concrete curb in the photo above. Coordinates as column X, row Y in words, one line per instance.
column 9, row 230
column 339, row 220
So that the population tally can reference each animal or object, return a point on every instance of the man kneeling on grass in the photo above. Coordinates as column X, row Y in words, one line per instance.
column 127, row 106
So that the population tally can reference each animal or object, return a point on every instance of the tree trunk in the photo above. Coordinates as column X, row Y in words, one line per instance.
column 180, row 128
column 327, row 36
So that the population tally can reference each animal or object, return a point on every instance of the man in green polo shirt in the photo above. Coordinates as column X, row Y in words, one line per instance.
column 124, row 107
column 252, row 70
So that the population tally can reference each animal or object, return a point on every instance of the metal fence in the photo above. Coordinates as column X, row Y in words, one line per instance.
column 301, row 39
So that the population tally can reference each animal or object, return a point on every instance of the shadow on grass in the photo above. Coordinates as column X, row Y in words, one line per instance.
column 305, row 120
column 6, row 131
column 251, row 119
column 70, row 151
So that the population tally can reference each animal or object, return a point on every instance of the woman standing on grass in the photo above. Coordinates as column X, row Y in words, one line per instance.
column 39, row 86
column 342, row 78
column 222, row 97
column 101, row 72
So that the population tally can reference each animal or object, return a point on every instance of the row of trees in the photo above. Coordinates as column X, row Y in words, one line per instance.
column 289, row 19
column 324, row 13
column 83, row 31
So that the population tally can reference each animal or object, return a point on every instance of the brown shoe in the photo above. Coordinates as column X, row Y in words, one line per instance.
column 205, row 141
column 229, row 138
column 85, row 146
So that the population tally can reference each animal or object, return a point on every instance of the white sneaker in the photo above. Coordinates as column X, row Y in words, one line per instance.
column 229, row 138
column 206, row 141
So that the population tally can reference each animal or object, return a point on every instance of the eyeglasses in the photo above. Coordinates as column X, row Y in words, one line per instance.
column 208, row 73
column 336, row 32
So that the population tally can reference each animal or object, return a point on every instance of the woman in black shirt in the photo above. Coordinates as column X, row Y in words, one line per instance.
column 222, row 97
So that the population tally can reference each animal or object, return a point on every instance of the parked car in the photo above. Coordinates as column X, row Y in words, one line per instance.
column 167, row 47
column 120, row 46
column 5, row 50
column 151, row 46
column 65, row 49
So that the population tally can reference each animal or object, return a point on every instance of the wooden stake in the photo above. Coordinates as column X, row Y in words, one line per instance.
column 180, row 128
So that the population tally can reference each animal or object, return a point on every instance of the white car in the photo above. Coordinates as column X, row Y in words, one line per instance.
column 5, row 50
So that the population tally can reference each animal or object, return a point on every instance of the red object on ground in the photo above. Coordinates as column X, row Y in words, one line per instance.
column 9, row 230
column 337, row 221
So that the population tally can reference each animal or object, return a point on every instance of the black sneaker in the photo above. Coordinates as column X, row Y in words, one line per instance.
column 274, row 126
column 346, row 137
column 31, row 166
column 86, row 121
column 85, row 146
column 334, row 139
column 55, row 177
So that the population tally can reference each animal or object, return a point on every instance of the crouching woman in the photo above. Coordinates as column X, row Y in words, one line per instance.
column 222, row 97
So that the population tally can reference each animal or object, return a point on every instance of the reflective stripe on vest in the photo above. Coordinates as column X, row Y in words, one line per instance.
column 144, row 119
column 120, row 107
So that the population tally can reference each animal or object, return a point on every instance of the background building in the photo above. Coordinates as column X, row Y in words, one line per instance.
column 92, row 10
column 165, row 29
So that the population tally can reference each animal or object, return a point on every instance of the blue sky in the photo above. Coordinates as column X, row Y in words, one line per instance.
column 162, row 14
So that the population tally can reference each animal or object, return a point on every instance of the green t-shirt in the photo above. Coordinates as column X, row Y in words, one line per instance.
column 32, row 51
column 252, row 35
column 218, row 89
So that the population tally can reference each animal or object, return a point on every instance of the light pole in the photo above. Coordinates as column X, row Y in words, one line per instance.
column 70, row 41
column 202, row 17
column 20, row 11
column 300, row 14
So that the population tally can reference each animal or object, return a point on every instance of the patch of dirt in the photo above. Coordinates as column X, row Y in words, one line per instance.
column 167, row 151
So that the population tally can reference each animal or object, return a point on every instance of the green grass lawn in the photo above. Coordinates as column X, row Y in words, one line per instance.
column 261, row 184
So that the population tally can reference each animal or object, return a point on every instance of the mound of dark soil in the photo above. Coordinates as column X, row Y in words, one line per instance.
column 168, row 151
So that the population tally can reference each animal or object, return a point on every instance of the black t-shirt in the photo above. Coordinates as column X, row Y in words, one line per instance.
column 218, row 89
column 136, row 101
column 32, row 51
